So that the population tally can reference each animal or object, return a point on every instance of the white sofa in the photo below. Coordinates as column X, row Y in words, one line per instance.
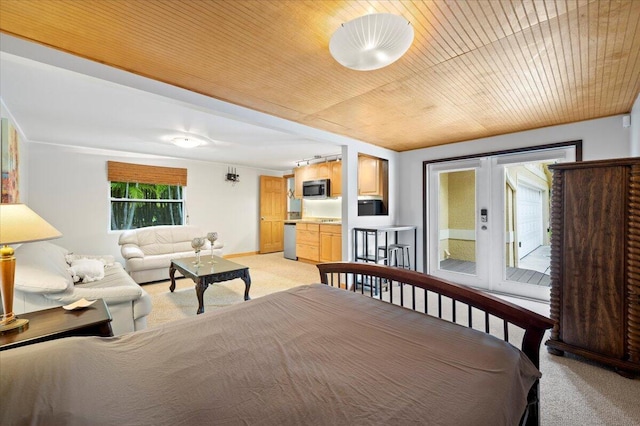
column 148, row 251
column 43, row 280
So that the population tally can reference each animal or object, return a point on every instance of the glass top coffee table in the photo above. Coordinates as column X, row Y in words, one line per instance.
column 208, row 273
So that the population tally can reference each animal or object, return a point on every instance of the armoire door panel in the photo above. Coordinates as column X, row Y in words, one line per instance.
column 594, row 260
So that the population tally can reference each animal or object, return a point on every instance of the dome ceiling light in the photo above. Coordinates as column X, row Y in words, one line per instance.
column 372, row 41
column 187, row 142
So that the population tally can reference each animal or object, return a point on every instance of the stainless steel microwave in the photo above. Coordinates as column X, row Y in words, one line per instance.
column 316, row 188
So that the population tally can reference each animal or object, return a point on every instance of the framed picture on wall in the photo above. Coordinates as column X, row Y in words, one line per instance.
column 9, row 144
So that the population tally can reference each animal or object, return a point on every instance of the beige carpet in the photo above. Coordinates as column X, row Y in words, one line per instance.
column 269, row 273
column 574, row 392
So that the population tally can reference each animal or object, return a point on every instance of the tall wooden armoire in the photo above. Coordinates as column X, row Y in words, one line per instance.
column 595, row 262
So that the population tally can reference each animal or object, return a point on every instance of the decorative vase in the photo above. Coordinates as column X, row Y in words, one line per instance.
column 212, row 237
column 197, row 244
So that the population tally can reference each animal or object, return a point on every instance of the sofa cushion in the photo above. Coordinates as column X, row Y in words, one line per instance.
column 116, row 287
column 162, row 261
column 41, row 268
column 131, row 251
column 158, row 240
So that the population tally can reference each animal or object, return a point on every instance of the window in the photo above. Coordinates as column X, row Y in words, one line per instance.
column 136, row 205
column 143, row 196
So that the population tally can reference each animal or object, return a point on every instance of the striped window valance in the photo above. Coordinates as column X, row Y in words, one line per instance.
column 127, row 172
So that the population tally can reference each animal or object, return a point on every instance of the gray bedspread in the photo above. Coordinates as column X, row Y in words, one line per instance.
column 311, row 355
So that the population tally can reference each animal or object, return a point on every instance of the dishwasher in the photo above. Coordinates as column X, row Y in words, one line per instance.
column 290, row 241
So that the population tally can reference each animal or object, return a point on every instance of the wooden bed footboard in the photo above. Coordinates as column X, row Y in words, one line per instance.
column 448, row 301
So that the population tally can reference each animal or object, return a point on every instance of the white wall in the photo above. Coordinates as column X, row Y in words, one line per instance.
column 350, row 218
column 601, row 138
column 68, row 187
column 635, row 129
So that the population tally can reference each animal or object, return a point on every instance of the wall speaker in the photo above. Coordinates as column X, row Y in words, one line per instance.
column 626, row 121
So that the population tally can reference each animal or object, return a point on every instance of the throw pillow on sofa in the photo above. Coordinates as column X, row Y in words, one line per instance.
column 41, row 268
column 87, row 270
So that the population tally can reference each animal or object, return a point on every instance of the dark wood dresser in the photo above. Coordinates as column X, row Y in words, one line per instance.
column 595, row 262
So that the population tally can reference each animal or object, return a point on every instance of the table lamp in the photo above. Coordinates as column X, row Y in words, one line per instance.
column 18, row 224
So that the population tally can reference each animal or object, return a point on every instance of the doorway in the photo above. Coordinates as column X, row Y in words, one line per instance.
column 488, row 220
column 273, row 207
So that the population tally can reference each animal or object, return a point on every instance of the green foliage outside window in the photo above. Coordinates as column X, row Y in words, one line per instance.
column 137, row 205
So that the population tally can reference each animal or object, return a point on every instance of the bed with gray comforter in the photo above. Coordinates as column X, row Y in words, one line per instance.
column 313, row 355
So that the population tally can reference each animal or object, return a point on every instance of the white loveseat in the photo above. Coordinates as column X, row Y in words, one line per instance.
column 43, row 280
column 148, row 251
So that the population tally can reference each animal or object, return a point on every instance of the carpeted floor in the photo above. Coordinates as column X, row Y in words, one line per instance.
column 269, row 273
column 573, row 392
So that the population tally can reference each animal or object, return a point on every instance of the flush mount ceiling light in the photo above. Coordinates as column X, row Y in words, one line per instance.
column 186, row 142
column 371, row 41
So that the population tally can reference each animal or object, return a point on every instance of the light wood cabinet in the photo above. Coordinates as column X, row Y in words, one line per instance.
column 308, row 241
column 370, row 176
column 318, row 171
column 330, row 243
column 336, row 178
column 595, row 242
column 319, row 242
column 300, row 174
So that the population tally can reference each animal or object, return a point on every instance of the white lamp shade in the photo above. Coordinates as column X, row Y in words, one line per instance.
column 20, row 224
column 371, row 41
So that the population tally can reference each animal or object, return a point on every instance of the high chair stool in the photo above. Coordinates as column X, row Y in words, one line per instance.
column 397, row 255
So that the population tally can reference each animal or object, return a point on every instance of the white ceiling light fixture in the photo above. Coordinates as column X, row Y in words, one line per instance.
column 187, row 142
column 372, row 41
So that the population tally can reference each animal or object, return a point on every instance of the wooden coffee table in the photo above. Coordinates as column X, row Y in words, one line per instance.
column 208, row 273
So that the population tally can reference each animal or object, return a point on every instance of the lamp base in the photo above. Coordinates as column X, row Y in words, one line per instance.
column 17, row 326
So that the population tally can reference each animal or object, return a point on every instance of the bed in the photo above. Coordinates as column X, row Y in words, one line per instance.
column 315, row 354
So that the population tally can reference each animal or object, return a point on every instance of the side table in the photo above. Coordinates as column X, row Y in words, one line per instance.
column 56, row 323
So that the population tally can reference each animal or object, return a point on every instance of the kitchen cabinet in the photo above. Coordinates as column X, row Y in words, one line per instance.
column 595, row 285
column 317, row 171
column 308, row 241
column 336, row 178
column 320, row 171
column 330, row 243
column 300, row 174
column 371, row 176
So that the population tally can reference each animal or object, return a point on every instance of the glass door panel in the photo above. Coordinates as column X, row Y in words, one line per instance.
column 526, row 201
column 454, row 207
column 456, row 221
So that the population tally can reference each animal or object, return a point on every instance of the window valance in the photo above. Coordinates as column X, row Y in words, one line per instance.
column 128, row 172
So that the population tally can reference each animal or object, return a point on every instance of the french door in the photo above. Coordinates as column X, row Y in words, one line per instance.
column 488, row 221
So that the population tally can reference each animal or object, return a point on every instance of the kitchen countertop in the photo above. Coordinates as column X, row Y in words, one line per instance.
column 322, row 221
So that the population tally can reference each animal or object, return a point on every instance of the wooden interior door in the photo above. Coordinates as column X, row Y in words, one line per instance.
column 273, row 209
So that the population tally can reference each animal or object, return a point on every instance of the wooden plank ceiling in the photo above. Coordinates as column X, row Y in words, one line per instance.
column 475, row 69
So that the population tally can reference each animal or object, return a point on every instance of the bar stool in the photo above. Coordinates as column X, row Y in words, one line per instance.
column 383, row 255
column 399, row 251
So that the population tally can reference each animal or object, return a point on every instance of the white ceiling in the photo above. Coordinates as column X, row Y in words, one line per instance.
column 65, row 104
